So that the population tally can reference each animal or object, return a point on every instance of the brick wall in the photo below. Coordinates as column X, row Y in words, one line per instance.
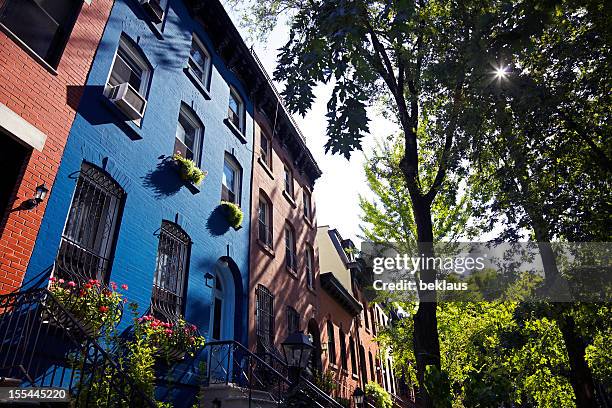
column 268, row 266
column 46, row 100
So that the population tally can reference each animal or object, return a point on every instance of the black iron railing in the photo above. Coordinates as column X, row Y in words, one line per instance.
column 274, row 359
column 43, row 345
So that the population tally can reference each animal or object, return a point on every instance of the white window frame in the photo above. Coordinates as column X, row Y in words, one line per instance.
column 236, row 96
column 289, row 184
column 138, row 59
column 206, row 70
column 195, row 123
column 229, row 160
column 265, row 152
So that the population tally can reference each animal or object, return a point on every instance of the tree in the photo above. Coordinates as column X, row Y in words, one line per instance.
column 544, row 166
column 420, row 56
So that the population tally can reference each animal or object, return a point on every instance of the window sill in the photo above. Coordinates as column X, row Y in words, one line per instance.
column 194, row 188
column 291, row 271
column 235, row 130
column 266, row 248
column 265, row 167
column 308, row 221
column 128, row 126
column 201, row 87
column 289, row 198
column 27, row 49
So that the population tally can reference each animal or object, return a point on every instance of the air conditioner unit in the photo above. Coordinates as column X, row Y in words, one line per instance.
column 153, row 9
column 128, row 100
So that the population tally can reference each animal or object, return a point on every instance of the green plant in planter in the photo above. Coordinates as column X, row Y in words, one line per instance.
column 94, row 305
column 378, row 395
column 233, row 214
column 188, row 169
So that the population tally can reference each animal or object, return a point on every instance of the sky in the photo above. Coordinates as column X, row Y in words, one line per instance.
column 337, row 191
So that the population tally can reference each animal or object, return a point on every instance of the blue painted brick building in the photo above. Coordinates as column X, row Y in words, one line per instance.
column 116, row 176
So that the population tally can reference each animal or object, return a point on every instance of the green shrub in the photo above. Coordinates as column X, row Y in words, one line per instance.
column 233, row 214
column 378, row 396
column 188, row 169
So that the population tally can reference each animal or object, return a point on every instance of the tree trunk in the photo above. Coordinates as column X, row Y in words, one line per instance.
column 426, row 341
column 581, row 377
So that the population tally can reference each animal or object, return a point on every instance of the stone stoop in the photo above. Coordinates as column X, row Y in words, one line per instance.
column 233, row 396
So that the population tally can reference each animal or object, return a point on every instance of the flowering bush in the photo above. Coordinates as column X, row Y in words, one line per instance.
column 167, row 337
column 92, row 303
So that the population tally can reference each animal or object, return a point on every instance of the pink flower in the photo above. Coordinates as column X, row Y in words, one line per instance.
column 168, row 331
column 71, row 284
column 192, row 339
column 52, row 279
column 113, row 285
column 103, row 309
column 124, row 287
column 61, row 281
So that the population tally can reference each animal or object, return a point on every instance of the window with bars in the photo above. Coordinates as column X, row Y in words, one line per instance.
column 293, row 320
column 171, row 271
column 343, row 349
column 264, row 310
column 353, row 355
column 372, row 373
column 89, row 234
column 331, row 342
column 290, row 258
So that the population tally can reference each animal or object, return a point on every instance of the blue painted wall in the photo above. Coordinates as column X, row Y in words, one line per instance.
column 132, row 156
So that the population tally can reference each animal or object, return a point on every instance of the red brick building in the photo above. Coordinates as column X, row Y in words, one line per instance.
column 42, row 73
column 348, row 322
column 283, row 257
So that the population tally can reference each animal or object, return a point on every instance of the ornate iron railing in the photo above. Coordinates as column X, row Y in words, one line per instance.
column 274, row 359
column 43, row 345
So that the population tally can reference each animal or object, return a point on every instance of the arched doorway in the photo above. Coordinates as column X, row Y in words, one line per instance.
column 223, row 301
column 315, row 357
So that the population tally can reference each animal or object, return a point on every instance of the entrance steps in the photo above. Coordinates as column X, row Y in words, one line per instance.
column 233, row 396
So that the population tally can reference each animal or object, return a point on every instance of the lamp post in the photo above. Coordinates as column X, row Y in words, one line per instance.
column 297, row 348
column 358, row 397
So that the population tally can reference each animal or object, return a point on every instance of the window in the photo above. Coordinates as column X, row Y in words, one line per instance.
column 265, row 149
column 265, row 220
column 231, row 182
column 307, row 205
column 188, row 137
column 290, row 259
column 353, row 355
column 366, row 314
column 373, row 321
column 264, row 310
column 43, row 26
column 293, row 320
column 309, row 267
column 128, row 82
column 331, row 342
column 200, row 62
column 171, row 271
column 390, row 379
column 235, row 111
column 372, row 373
column 343, row 350
column 89, row 234
column 288, row 182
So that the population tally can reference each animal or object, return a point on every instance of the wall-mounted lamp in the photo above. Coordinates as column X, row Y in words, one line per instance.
column 39, row 196
column 209, row 278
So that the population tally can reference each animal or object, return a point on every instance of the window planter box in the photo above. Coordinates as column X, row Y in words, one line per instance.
column 172, row 354
column 56, row 317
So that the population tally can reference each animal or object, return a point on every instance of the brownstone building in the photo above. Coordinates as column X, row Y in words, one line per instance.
column 284, row 265
column 42, row 73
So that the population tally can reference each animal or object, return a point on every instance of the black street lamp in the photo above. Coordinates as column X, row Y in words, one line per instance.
column 297, row 348
column 39, row 197
column 358, row 396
